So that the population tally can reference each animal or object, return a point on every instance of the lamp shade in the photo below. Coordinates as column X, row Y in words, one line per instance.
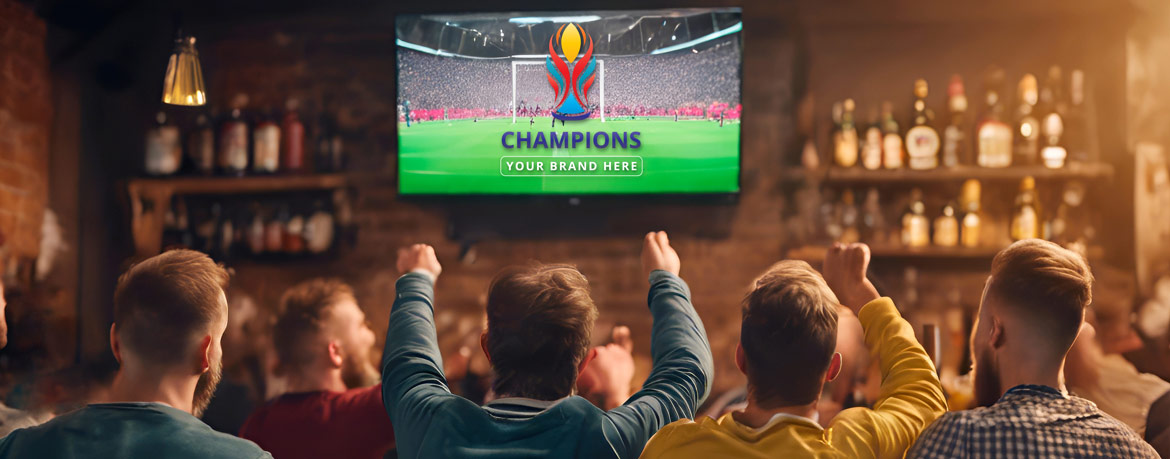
column 183, row 84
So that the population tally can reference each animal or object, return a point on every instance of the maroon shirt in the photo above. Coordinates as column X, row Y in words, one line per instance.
column 350, row 424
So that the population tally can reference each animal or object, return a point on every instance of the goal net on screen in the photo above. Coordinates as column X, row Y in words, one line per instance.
column 533, row 97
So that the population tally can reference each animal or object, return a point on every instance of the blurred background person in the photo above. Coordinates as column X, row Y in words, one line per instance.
column 248, row 361
column 333, row 407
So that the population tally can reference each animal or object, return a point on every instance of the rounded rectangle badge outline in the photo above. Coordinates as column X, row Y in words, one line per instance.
column 641, row 161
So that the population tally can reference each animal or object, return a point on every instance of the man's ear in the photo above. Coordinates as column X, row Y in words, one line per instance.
column 995, row 335
column 336, row 355
column 204, row 354
column 834, row 367
column 589, row 356
column 740, row 359
column 114, row 345
column 483, row 345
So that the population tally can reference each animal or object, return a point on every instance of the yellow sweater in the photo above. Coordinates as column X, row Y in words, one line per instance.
column 911, row 398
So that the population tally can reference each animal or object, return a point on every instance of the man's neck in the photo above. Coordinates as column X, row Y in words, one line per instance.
column 176, row 391
column 755, row 416
column 1032, row 375
column 317, row 380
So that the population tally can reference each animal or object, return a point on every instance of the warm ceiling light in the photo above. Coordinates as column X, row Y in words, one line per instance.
column 183, row 84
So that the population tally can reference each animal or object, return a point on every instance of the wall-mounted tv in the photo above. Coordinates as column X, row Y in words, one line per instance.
column 570, row 102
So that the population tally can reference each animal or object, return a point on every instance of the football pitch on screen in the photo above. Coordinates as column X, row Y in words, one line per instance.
column 465, row 157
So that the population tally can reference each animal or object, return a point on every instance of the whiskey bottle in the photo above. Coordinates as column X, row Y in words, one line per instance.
column 922, row 141
column 849, row 219
column 201, row 146
column 993, row 136
column 946, row 228
column 1052, row 120
column 266, row 145
column 915, row 225
column 1026, row 218
column 845, row 139
column 891, row 140
column 871, row 147
column 969, row 199
column 292, row 144
column 954, row 137
column 873, row 222
column 1076, row 127
column 1027, row 140
column 164, row 151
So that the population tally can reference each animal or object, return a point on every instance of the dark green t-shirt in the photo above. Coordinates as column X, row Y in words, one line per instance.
column 126, row 430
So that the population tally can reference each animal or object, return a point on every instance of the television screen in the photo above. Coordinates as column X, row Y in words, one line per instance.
column 570, row 103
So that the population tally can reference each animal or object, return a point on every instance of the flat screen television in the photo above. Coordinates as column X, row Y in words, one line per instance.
column 570, row 102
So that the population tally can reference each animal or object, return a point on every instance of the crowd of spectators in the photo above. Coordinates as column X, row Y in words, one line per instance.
column 686, row 83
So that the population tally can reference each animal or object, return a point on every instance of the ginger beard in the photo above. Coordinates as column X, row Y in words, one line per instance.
column 987, row 387
column 357, row 370
column 205, row 387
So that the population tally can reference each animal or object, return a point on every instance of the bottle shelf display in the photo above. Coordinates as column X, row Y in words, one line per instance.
column 1043, row 134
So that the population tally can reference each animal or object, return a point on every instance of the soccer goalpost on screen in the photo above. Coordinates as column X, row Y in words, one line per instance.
column 530, row 84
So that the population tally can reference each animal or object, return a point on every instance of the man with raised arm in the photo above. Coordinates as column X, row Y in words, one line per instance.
column 538, row 340
column 787, row 350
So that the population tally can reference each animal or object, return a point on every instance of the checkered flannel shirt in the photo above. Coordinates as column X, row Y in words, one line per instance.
column 1031, row 422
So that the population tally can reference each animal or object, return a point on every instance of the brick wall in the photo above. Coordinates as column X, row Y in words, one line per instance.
column 26, row 111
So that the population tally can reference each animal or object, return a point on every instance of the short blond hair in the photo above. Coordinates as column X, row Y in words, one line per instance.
column 788, row 334
column 304, row 310
column 1045, row 285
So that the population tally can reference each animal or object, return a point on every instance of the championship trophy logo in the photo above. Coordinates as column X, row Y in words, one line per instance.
column 570, row 80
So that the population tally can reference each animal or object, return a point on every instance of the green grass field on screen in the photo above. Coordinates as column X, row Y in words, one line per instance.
column 463, row 157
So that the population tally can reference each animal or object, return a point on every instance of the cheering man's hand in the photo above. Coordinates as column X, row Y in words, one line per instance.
column 844, row 271
column 658, row 254
column 419, row 257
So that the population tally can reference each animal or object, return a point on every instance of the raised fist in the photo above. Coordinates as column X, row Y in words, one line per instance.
column 658, row 254
column 419, row 257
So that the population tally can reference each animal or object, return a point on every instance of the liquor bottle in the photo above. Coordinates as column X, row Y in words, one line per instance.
column 319, row 229
column 891, row 140
column 274, row 230
column 330, row 151
column 226, row 237
column 294, row 234
column 849, row 219
column 256, row 229
column 1026, row 148
column 1026, row 219
column 1076, row 127
column 969, row 199
column 946, row 228
column 266, row 145
column 845, row 139
column 871, row 147
column 233, row 139
column 176, row 234
column 164, row 151
column 830, row 214
column 1053, row 110
column 292, row 146
column 873, row 222
column 915, row 225
column 993, row 136
column 954, row 137
column 922, row 141
column 201, row 146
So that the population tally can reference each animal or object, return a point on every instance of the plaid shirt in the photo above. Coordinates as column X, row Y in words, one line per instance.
column 1031, row 422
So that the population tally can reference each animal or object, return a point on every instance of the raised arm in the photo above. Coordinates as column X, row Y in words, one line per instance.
column 412, row 369
column 682, row 368
column 911, row 396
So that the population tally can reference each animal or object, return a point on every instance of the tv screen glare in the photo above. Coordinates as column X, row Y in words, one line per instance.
column 570, row 102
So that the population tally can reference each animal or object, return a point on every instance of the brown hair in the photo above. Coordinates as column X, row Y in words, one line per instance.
column 540, row 319
column 1046, row 285
column 166, row 303
column 788, row 334
column 304, row 309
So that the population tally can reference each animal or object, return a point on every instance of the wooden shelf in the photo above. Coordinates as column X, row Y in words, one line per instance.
column 958, row 174
column 150, row 198
column 817, row 253
column 233, row 185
